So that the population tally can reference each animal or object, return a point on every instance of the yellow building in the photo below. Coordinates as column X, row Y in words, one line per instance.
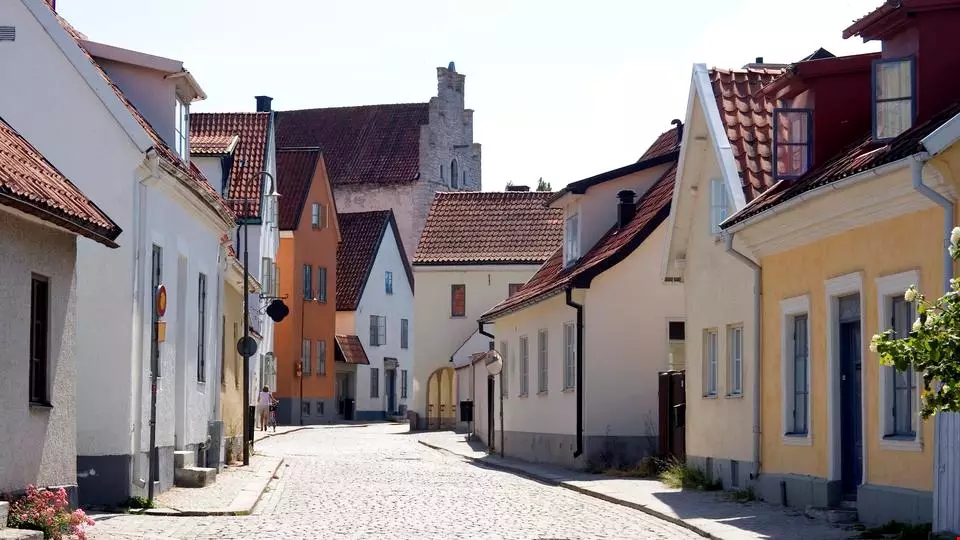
column 231, row 366
column 838, row 247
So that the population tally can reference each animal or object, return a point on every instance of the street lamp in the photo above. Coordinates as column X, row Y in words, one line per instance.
column 494, row 364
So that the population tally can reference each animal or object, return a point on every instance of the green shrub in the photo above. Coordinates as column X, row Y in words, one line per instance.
column 679, row 475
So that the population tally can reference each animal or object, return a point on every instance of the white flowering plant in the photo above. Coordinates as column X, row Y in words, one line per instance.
column 933, row 346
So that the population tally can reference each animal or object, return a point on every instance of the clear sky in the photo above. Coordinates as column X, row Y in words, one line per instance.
column 562, row 89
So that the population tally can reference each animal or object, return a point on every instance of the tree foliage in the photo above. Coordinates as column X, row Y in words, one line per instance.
column 933, row 346
column 543, row 186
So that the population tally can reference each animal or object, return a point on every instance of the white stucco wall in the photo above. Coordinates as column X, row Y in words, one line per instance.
column 153, row 94
column 438, row 335
column 39, row 444
column 212, row 169
column 375, row 301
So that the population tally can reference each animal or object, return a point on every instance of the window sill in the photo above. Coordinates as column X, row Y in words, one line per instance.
column 797, row 440
column 41, row 405
column 569, row 390
column 523, row 396
column 902, row 444
column 709, row 396
column 458, row 316
column 738, row 395
column 542, row 393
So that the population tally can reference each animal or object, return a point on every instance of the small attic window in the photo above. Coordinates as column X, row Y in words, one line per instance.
column 894, row 104
column 792, row 151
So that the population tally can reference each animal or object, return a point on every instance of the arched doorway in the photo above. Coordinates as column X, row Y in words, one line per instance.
column 441, row 409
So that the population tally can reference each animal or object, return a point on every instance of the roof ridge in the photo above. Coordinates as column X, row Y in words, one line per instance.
column 409, row 103
column 299, row 149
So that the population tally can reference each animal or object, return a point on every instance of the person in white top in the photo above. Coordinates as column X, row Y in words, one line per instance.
column 264, row 400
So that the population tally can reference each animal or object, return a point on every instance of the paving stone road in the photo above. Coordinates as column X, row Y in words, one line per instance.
column 377, row 482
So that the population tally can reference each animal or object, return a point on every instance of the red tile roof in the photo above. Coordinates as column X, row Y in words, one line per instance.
column 863, row 155
column 747, row 116
column 863, row 23
column 350, row 350
column 473, row 227
column 29, row 183
column 190, row 176
column 373, row 144
column 249, row 155
column 213, row 144
column 665, row 143
column 361, row 234
column 295, row 170
column 652, row 209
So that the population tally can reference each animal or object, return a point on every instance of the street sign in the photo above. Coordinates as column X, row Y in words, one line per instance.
column 247, row 347
column 277, row 310
column 161, row 300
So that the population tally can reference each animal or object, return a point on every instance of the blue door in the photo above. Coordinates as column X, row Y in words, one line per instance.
column 851, row 411
column 391, row 376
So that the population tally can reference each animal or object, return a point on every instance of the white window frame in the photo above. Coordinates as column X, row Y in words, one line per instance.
column 734, row 350
column 543, row 361
column 504, row 379
column 181, row 129
column 889, row 287
column 571, row 238
column 378, row 330
column 710, row 368
column 569, row 356
column 266, row 275
column 524, row 366
column 877, row 102
column 719, row 205
column 790, row 309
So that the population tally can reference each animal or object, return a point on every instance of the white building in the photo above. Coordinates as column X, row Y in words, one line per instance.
column 41, row 215
column 476, row 249
column 233, row 150
column 374, row 309
column 116, row 122
column 584, row 340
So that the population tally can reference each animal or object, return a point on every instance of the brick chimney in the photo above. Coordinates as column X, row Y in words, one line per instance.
column 264, row 103
column 518, row 188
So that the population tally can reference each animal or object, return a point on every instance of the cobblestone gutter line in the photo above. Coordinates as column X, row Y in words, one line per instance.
column 597, row 495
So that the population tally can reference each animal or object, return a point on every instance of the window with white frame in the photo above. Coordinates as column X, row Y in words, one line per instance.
column 719, row 204
column 735, row 360
column 899, row 397
column 504, row 380
column 710, row 345
column 182, row 128
column 800, row 363
column 378, row 330
column 542, row 360
column 894, row 103
column 524, row 366
column 388, row 282
column 318, row 216
column 571, row 239
column 569, row 356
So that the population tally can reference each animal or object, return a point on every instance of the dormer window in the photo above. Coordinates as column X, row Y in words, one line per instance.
column 719, row 204
column 182, row 135
column 792, row 151
column 894, row 103
column 571, row 240
column 454, row 175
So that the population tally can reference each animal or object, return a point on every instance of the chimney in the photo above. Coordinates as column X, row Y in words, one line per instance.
column 626, row 209
column 679, row 123
column 264, row 103
column 518, row 188
column 759, row 60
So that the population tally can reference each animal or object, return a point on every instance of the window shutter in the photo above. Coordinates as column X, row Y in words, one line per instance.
column 373, row 330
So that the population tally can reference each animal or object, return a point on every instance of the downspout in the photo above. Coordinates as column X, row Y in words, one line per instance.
column 494, row 338
column 916, row 174
column 140, row 213
column 579, row 308
column 757, row 296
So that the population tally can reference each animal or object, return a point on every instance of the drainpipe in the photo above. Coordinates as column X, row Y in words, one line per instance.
column 139, row 284
column 757, row 296
column 493, row 338
column 579, row 308
column 916, row 173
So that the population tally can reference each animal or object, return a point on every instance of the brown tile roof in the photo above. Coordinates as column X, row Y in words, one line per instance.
column 665, row 143
column 863, row 155
column 652, row 209
column 361, row 234
column 373, row 144
column 350, row 350
column 248, row 156
column 31, row 184
column 747, row 116
column 190, row 176
column 473, row 227
column 213, row 144
column 295, row 170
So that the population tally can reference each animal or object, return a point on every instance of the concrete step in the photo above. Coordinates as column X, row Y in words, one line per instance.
column 194, row 477
column 833, row 515
column 20, row 534
column 184, row 458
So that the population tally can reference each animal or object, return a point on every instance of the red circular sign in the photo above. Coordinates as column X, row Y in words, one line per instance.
column 161, row 300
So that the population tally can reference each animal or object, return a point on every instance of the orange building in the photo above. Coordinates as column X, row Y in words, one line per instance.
column 306, row 267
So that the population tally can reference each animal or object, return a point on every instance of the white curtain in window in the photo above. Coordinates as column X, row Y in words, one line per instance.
column 894, row 83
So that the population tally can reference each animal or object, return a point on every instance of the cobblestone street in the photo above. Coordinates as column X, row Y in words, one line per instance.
column 376, row 481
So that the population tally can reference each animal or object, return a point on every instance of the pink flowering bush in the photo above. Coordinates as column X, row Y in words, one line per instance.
column 49, row 512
